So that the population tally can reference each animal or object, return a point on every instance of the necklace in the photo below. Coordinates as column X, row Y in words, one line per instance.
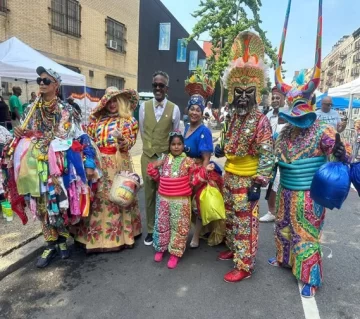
column 192, row 129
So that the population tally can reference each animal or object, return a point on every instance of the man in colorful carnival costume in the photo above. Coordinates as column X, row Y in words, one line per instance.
column 248, row 148
column 51, row 161
column 303, row 145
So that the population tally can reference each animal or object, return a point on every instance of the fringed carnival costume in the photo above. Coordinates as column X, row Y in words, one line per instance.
column 302, row 146
column 47, row 171
column 248, row 148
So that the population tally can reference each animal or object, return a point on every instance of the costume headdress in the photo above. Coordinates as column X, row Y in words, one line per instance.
column 247, row 67
column 301, row 113
column 110, row 92
column 199, row 87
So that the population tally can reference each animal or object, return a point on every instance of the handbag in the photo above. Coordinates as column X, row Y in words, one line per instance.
column 125, row 184
column 211, row 205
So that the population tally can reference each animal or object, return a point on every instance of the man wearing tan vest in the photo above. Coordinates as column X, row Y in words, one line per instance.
column 157, row 118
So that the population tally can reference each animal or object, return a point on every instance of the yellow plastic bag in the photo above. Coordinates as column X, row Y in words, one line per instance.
column 211, row 205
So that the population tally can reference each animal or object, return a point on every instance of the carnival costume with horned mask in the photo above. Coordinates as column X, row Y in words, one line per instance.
column 303, row 145
column 248, row 148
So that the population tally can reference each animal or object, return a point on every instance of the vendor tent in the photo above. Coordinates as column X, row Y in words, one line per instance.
column 346, row 90
column 19, row 61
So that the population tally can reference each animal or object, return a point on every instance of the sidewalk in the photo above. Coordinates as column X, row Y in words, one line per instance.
column 20, row 244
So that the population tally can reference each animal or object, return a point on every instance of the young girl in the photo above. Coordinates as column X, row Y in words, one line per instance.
column 176, row 175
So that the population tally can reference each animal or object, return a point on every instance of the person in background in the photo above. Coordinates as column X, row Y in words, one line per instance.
column 4, row 112
column 277, row 102
column 329, row 116
column 208, row 109
column 16, row 107
column 157, row 118
column 33, row 97
column 76, row 106
column 26, row 105
column 224, row 112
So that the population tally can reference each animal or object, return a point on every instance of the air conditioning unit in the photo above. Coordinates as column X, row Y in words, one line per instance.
column 113, row 44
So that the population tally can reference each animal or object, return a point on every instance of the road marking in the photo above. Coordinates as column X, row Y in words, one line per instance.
column 311, row 310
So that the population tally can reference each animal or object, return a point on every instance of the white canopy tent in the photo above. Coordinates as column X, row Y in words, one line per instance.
column 349, row 90
column 346, row 90
column 19, row 61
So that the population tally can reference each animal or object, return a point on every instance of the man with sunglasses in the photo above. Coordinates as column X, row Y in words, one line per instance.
column 157, row 118
column 329, row 116
column 55, row 165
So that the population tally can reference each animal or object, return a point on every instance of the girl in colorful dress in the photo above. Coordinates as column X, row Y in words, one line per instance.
column 112, row 127
column 176, row 174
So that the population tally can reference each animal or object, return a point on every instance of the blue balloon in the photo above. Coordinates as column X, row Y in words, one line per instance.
column 331, row 185
column 355, row 175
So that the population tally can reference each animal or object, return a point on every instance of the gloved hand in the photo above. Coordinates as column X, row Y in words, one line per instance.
column 219, row 152
column 254, row 192
column 339, row 149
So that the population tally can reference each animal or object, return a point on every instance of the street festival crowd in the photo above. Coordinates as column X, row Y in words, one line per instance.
column 81, row 182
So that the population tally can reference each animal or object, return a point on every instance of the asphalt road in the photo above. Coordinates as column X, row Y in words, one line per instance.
column 130, row 284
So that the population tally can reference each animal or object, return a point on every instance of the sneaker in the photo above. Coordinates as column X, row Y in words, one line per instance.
column 267, row 218
column 236, row 275
column 173, row 261
column 63, row 250
column 273, row 262
column 308, row 291
column 226, row 255
column 148, row 240
column 158, row 256
column 46, row 257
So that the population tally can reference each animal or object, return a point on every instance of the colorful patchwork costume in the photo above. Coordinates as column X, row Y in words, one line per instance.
column 248, row 148
column 176, row 177
column 302, row 146
column 111, row 227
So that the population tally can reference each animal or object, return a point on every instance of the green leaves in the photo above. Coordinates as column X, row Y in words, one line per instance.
column 224, row 20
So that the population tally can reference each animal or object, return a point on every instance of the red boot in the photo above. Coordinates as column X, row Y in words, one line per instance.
column 226, row 255
column 236, row 275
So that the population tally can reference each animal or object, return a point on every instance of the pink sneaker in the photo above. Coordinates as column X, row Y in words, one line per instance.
column 173, row 261
column 158, row 256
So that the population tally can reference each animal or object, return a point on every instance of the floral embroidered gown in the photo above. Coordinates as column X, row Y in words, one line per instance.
column 109, row 226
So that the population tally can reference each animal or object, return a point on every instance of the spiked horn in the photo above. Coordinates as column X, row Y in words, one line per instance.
column 314, row 82
column 280, row 84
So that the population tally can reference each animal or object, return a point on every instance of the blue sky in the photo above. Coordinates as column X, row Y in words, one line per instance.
column 340, row 17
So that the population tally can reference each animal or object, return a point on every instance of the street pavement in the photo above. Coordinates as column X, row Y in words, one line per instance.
column 129, row 284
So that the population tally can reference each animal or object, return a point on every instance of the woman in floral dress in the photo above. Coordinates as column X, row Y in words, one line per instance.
column 112, row 127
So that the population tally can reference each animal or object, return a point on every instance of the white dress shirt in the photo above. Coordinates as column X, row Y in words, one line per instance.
column 273, row 118
column 159, row 110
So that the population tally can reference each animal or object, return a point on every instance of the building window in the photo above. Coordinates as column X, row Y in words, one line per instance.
column 115, row 35
column 3, row 7
column 65, row 16
column 115, row 81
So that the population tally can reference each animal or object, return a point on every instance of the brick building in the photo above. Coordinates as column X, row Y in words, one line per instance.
column 96, row 38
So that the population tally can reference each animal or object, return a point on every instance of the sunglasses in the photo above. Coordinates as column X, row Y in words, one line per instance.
column 175, row 134
column 46, row 81
column 328, row 104
column 160, row 85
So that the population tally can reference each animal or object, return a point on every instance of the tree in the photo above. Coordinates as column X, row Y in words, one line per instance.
column 223, row 20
